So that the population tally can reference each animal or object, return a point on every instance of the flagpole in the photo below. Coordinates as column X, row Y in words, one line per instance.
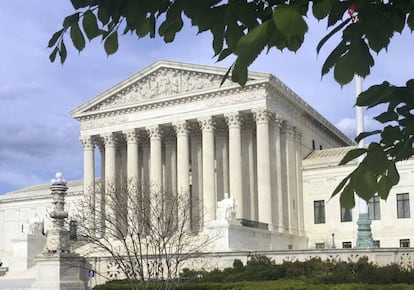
column 364, row 236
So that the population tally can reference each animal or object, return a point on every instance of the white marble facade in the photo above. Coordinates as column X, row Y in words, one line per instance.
column 172, row 125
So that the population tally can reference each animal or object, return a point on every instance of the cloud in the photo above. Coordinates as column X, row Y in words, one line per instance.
column 348, row 126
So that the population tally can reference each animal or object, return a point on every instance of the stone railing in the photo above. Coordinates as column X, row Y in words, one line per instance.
column 107, row 269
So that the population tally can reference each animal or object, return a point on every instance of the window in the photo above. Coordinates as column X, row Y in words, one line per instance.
column 319, row 211
column 404, row 243
column 374, row 212
column 377, row 244
column 346, row 215
column 320, row 245
column 313, row 145
column 403, row 205
column 320, row 147
column 346, row 245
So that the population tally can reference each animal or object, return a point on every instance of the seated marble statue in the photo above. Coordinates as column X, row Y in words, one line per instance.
column 226, row 209
column 36, row 226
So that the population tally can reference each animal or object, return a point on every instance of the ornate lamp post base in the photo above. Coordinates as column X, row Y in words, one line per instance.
column 364, row 237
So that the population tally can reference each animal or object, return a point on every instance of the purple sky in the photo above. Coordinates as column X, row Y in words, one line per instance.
column 38, row 137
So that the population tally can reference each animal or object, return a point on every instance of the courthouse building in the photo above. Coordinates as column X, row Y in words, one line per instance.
column 174, row 126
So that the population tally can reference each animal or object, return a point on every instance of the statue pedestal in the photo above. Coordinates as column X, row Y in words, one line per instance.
column 58, row 272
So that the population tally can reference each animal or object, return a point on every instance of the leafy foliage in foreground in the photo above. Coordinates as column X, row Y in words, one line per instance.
column 246, row 28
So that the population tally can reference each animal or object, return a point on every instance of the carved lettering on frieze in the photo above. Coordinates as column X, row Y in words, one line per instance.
column 103, row 122
column 233, row 99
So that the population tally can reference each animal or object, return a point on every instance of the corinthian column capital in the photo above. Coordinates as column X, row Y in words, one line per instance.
column 233, row 119
column 154, row 132
column 109, row 139
column 262, row 115
column 181, row 128
column 131, row 136
column 87, row 142
column 206, row 124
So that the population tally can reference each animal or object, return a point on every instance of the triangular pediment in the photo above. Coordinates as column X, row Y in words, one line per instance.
column 161, row 81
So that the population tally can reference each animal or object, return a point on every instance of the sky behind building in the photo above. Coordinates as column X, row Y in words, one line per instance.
column 38, row 137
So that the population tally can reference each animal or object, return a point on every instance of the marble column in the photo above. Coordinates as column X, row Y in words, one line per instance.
column 299, row 185
column 132, row 139
column 145, row 186
column 154, row 133
column 133, row 200
column 183, row 158
column 249, row 172
column 89, row 174
column 277, row 174
column 288, row 175
column 196, row 180
column 110, row 180
column 100, row 202
column 235, row 161
column 263, row 167
column 170, row 174
column 222, row 163
column 209, row 194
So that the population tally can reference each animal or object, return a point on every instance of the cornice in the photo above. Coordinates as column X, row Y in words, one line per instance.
column 286, row 94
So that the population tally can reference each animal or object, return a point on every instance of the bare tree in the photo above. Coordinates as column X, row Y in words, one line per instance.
column 147, row 234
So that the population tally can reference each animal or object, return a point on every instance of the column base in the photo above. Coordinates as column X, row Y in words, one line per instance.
column 364, row 237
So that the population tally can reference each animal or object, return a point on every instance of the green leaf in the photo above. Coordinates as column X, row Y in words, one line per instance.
column 62, row 52
column 352, row 154
column 289, row 21
column 226, row 75
column 77, row 37
column 321, row 8
column 343, row 71
column 410, row 21
column 70, row 20
column 364, row 182
column 103, row 15
column 334, row 56
column 79, row 3
column 55, row 37
column 239, row 73
column 371, row 96
column 347, row 199
column 111, row 43
column 392, row 173
column 383, row 187
column 387, row 117
column 376, row 159
column 143, row 27
column 340, row 186
column 52, row 56
column 223, row 54
column 364, row 135
column 330, row 34
column 90, row 25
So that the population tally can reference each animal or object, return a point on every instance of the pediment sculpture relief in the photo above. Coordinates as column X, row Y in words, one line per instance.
column 163, row 83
